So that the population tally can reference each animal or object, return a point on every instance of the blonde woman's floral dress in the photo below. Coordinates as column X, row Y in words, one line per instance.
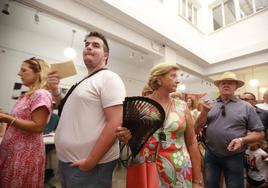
column 173, row 160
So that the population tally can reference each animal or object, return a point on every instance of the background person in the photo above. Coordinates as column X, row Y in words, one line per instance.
column 264, row 105
column 85, row 139
column 22, row 151
column 178, row 159
column 257, row 166
column 263, row 114
column 228, row 120
column 192, row 107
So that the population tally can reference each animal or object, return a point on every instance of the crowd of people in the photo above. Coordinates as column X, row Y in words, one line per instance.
column 90, row 128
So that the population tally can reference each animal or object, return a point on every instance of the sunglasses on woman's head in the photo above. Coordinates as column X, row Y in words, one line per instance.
column 34, row 59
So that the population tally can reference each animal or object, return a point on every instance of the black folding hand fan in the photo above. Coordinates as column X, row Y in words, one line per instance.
column 142, row 116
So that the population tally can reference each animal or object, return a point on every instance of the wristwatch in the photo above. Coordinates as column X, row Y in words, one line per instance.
column 199, row 182
column 241, row 140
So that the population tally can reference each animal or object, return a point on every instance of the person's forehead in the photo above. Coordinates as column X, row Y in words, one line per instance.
column 25, row 65
column 248, row 96
column 94, row 39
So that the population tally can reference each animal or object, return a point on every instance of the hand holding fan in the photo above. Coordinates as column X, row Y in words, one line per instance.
column 142, row 116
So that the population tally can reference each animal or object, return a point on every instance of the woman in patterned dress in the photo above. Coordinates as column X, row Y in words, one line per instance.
column 22, row 150
column 178, row 159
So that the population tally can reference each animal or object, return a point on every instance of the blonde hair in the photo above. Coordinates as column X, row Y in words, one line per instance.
column 146, row 91
column 157, row 71
column 42, row 68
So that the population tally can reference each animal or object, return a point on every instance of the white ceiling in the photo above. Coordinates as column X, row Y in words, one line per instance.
column 22, row 17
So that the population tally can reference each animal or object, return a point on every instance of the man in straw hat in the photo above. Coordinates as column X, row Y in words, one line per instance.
column 228, row 119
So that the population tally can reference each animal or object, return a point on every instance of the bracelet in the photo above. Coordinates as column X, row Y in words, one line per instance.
column 12, row 122
column 199, row 182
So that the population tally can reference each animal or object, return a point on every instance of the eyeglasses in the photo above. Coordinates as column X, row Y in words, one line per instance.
column 34, row 59
column 223, row 112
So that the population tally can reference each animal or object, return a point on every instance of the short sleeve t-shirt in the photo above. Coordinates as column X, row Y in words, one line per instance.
column 239, row 117
column 82, row 119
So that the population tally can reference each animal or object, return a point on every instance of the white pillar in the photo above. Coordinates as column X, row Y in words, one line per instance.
column 169, row 56
column 237, row 10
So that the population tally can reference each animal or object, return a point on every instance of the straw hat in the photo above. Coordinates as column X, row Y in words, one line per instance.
column 231, row 77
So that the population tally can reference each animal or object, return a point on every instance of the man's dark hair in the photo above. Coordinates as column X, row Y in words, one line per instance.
column 249, row 93
column 100, row 36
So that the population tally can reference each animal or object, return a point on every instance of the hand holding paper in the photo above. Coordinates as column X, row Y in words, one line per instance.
column 64, row 69
column 205, row 98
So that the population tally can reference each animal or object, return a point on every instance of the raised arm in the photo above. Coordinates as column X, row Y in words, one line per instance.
column 53, row 81
column 202, row 118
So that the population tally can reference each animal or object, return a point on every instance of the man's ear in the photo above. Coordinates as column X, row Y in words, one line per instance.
column 106, row 56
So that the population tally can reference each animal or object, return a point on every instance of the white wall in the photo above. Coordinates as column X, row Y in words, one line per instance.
column 241, row 38
column 17, row 45
column 225, row 46
column 261, row 75
column 202, row 87
column 164, row 21
column 134, row 75
column 139, row 23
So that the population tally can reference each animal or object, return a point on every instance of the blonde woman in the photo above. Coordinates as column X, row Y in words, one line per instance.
column 22, row 151
column 178, row 159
